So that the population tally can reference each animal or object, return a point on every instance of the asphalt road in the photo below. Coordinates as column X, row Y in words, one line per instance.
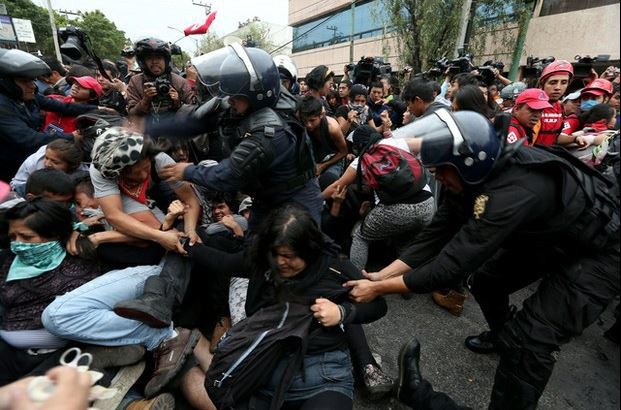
column 586, row 375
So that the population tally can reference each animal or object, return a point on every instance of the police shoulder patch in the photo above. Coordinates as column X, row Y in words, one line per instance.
column 479, row 206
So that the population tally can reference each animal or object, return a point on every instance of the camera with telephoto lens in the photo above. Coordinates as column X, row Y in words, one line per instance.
column 162, row 85
column 368, row 70
column 584, row 64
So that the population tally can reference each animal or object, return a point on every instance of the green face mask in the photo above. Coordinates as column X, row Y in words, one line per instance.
column 34, row 259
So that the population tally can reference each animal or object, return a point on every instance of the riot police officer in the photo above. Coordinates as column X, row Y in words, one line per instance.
column 272, row 161
column 512, row 215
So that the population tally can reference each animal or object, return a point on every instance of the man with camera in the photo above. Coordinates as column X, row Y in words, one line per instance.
column 157, row 90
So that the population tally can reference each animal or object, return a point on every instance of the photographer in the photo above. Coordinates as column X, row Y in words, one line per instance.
column 157, row 90
column 113, row 92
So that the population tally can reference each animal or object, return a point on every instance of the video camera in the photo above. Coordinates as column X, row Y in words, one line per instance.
column 77, row 48
column 583, row 65
column 461, row 64
column 368, row 70
column 535, row 65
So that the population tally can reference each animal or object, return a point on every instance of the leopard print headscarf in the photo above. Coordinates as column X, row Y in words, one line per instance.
column 116, row 149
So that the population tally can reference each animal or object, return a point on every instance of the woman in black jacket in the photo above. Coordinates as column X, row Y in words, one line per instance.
column 291, row 261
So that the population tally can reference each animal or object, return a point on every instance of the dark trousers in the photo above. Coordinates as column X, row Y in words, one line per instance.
column 18, row 363
column 576, row 288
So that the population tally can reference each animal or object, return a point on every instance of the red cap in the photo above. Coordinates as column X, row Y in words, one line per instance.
column 598, row 87
column 4, row 190
column 87, row 82
column 557, row 67
column 535, row 98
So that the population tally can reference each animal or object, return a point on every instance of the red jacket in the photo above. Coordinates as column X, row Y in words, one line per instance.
column 64, row 122
column 551, row 125
column 517, row 131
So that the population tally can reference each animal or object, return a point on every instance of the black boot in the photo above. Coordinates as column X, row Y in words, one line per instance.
column 484, row 343
column 409, row 372
column 153, row 307
column 161, row 292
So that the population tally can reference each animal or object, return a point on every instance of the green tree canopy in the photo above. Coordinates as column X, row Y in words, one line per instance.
column 209, row 42
column 106, row 39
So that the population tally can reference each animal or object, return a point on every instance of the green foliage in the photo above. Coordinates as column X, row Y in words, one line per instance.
column 496, row 25
column 425, row 29
column 107, row 40
column 179, row 61
column 260, row 33
column 209, row 42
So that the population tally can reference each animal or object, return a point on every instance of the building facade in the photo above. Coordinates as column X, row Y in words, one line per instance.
column 560, row 28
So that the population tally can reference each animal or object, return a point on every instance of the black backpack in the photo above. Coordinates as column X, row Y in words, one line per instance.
column 248, row 354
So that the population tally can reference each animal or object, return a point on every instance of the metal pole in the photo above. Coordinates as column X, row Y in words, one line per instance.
column 463, row 27
column 351, row 37
column 517, row 52
column 54, row 32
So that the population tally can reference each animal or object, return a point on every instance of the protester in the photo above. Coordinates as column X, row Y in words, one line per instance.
column 36, row 270
column 114, row 90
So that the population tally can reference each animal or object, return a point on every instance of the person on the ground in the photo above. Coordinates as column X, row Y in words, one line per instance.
column 34, row 272
column 62, row 155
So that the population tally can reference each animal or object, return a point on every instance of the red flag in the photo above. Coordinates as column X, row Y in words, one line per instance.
column 200, row 28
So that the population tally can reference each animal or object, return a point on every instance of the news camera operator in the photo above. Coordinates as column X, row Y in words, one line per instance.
column 157, row 90
column 20, row 110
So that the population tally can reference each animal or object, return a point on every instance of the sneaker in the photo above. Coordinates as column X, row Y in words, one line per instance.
column 169, row 357
column 164, row 401
column 125, row 378
column 452, row 301
column 484, row 343
column 376, row 381
column 114, row 356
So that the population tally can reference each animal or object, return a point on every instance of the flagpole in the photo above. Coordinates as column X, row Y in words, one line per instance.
column 175, row 42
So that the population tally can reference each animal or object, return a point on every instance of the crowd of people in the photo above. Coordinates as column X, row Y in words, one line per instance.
column 166, row 214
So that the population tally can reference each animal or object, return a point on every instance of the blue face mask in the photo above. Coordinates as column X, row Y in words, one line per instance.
column 588, row 104
column 34, row 259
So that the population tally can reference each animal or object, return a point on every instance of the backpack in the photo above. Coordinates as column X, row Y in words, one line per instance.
column 248, row 354
column 395, row 175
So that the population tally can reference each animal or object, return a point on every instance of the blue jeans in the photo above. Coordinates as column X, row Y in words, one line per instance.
column 85, row 314
column 328, row 371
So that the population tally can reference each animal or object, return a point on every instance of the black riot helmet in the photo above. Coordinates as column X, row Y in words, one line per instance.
column 240, row 71
column 151, row 45
column 466, row 140
column 17, row 63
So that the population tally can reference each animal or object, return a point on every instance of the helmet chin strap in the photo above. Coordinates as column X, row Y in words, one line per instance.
column 255, row 81
column 460, row 146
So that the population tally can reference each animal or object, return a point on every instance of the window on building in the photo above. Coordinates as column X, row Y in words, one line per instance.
column 551, row 7
column 337, row 28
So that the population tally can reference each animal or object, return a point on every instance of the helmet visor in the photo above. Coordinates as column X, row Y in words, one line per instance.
column 225, row 72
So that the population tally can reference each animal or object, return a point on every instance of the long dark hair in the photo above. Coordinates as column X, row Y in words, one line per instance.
column 290, row 225
column 471, row 98
column 596, row 113
column 47, row 218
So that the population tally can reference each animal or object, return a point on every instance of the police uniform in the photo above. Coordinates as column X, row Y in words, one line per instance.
column 535, row 215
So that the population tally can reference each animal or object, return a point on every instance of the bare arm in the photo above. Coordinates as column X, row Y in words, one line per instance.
column 339, row 141
column 348, row 178
column 190, row 219
column 112, row 207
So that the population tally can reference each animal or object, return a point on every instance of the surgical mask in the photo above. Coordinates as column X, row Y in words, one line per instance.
column 588, row 104
column 34, row 259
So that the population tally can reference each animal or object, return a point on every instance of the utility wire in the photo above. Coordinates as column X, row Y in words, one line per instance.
column 307, row 31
